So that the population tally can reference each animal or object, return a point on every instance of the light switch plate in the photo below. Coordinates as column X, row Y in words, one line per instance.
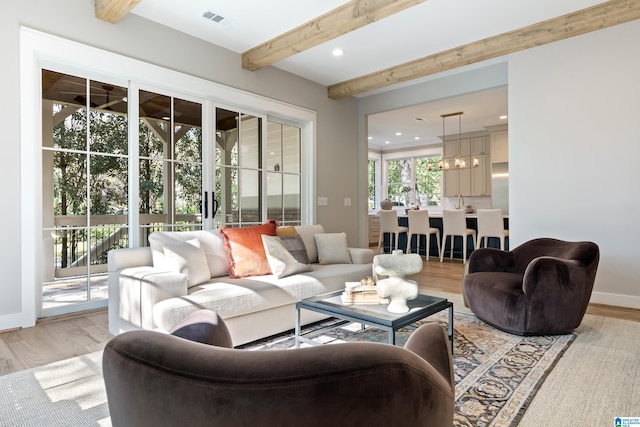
column 323, row 201
column 347, row 201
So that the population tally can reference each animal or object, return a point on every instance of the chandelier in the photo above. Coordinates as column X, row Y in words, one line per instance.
column 459, row 162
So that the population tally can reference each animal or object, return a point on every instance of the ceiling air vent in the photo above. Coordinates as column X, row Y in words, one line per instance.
column 215, row 17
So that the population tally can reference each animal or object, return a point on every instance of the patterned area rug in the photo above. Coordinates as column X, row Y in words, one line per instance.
column 497, row 374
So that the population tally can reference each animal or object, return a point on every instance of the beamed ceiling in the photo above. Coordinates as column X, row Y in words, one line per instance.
column 388, row 44
column 351, row 18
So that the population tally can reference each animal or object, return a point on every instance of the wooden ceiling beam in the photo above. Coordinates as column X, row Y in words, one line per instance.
column 113, row 10
column 346, row 18
column 595, row 18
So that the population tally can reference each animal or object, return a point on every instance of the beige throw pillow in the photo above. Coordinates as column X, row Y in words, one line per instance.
column 282, row 263
column 187, row 258
column 332, row 248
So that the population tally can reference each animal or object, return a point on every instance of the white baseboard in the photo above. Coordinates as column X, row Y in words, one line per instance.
column 14, row 321
column 629, row 301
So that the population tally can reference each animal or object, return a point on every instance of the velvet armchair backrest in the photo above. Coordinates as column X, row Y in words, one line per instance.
column 586, row 253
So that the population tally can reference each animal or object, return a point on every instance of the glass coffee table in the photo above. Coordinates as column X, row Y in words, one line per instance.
column 374, row 315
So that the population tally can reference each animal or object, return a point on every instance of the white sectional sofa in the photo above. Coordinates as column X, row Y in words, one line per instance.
column 142, row 296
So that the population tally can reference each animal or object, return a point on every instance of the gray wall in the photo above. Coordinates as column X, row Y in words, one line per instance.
column 337, row 154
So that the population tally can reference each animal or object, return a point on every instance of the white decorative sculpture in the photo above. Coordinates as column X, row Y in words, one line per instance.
column 389, row 271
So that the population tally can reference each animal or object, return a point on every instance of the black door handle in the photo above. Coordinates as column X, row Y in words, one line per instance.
column 215, row 204
column 206, row 204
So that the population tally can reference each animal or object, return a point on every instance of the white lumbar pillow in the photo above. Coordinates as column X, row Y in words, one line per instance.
column 189, row 259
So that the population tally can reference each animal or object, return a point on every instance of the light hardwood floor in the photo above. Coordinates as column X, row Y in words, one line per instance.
column 63, row 337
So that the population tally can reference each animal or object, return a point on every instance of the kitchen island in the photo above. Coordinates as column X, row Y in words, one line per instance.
column 435, row 220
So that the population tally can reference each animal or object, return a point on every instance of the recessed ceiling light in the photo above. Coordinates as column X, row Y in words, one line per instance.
column 504, row 117
column 416, row 138
column 370, row 137
column 337, row 52
column 387, row 142
column 398, row 133
column 420, row 119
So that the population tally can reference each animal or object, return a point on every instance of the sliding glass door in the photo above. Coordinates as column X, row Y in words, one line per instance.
column 87, row 172
column 121, row 161
column 84, row 187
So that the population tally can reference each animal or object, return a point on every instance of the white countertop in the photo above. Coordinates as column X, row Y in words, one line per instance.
column 435, row 213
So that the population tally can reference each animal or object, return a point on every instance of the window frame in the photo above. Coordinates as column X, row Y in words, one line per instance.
column 412, row 154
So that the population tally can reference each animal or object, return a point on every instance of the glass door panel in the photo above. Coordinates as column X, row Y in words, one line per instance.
column 84, row 188
column 170, row 174
column 187, row 135
column 238, row 173
column 283, row 173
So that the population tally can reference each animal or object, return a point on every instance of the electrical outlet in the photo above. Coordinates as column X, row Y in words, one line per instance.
column 347, row 201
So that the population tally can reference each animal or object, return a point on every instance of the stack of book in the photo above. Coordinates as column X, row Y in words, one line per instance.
column 356, row 293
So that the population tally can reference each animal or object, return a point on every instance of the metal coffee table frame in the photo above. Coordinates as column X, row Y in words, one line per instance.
column 373, row 315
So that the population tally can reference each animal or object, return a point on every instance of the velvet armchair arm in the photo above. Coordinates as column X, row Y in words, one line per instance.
column 557, row 291
column 431, row 343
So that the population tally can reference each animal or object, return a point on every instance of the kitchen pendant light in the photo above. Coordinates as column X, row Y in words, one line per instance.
column 459, row 162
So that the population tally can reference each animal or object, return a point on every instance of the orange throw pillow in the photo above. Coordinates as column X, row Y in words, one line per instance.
column 246, row 251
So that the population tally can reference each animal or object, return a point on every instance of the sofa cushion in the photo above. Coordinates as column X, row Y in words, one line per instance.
column 295, row 246
column 307, row 232
column 246, row 251
column 282, row 263
column 187, row 258
column 237, row 297
column 332, row 248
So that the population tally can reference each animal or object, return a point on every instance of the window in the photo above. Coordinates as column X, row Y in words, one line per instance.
column 412, row 182
column 371, row 179
column 284, row 176
column 241, row 169
column 399, row 183
column 428, row 181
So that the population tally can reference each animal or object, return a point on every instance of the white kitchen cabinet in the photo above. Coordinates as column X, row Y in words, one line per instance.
column 464, row 181
column 471, row 181
column 450, row 178
column 450, row 149
column 481, row 176
column 500, row 146
column 480, row 145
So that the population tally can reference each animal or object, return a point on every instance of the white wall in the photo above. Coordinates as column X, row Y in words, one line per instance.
column 574, row 151
column 336, row 154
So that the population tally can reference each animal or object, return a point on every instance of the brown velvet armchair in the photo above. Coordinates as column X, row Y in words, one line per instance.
column 156, row 379
column 542, row 287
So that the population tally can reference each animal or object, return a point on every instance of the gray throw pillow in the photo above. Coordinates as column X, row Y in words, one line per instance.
column 281, row 262
column 332, row 248
column 295, row 245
